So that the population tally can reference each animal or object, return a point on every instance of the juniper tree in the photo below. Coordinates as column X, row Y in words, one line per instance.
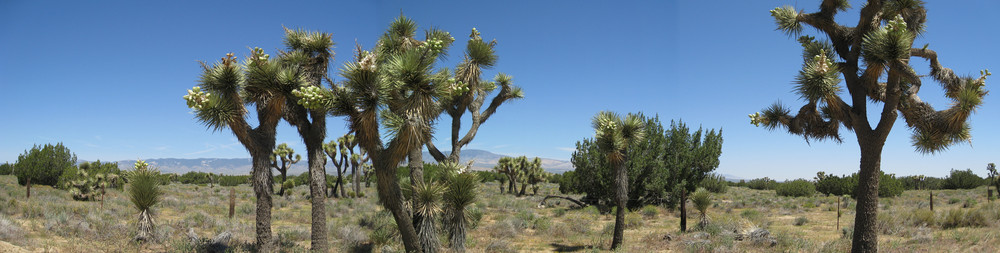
column 614, row 136
column 688, row 157
column 283, row 155
column 479, row 55
column 220, row 101
column 872, row 60
column 390, row 88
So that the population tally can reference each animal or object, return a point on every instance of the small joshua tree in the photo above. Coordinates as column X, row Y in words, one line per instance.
column 283, row 154
column 614, row 136
column 144, row 192
column 993, row 177
column 702, row 199
column 460, row 193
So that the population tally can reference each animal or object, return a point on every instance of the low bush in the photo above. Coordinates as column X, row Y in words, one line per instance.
column 959, row 217
column 796, row 188
column 714, row 183
column 650, row 211
column 922, row 217
column 801, row 221
column 762, row 184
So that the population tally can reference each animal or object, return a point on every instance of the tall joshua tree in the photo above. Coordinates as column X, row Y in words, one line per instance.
column 283, row 155
column 310, row 53
column 479, row 55
column 872, row 60
column 614, row 135
column 345, row 145
column 219, row 101
column 391, row 87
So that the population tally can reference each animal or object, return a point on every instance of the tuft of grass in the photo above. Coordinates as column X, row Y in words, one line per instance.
column 801, row 220
column 650, row 211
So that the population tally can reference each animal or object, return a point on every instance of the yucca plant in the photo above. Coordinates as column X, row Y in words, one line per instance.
column 460, row 194
column 701, row 199
column 427, row 203
column 144, row 192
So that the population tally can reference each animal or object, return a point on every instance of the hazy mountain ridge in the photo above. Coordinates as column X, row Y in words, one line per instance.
column 483, row 160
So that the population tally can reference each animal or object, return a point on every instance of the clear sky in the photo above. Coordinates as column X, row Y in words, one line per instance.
column 106, row 77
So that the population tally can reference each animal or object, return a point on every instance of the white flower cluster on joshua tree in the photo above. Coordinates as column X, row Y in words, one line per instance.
column 196, row 99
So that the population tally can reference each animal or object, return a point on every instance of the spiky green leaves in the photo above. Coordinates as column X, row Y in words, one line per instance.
column 309, row 42
column 144, row 186
column 461, row 191
column 615, row 134
column 887, row 43
column 819, row 79
column 427, row 198
column 787, row 20
column 911, row 11
column 930, row 141
column 212, row 110
column 481, row 52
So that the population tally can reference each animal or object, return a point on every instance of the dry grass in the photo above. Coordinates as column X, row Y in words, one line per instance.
column 51, row 221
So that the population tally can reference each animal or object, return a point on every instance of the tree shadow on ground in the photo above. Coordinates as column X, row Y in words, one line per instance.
column 568, row 248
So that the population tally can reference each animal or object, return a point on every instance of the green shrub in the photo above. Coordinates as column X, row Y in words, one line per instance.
column 762, row 184
column 796, row 188
column 6, row 169
column 715, row 183
column 801, row 221
column 969, row 202
column 650, row 211
column 962, row 179
column 922, row 217
column 633, row 220
column 955, row 218
column 889, row 186
column 43, row 164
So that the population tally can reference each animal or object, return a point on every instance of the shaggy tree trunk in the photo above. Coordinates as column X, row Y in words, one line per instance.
column 357, row 178
column 416, row 166
column 392, row 199
column 281, row 188
column 457, row 235
column 621, row 196
column 338, row 189
column 523, row 186
column 317, row 190
column 261, row 173
column 428, row 235
column 28, row 188
column 865, row 233
column 146, row 227
column 232, row 202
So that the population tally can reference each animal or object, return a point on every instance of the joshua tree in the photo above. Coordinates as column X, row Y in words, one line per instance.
column 614, row 135
column 510, row 168
column 479, row 55
column 310, row 53
column 460, row 193
column 872, row 60
column 993, row 178
column 391, row 86
column 220, row 101
column 283, row 153
column 348, row 159
column 144, row 192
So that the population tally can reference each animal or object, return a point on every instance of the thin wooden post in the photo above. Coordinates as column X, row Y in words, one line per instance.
column 28, row 184
column 232, row 202
column 932, row 200
column 838, row 212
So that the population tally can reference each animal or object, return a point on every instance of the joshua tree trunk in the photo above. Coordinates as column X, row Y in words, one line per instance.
column 261, row 174
column 621, row 196
column 523, row 186
column 457, row 236
column 865, row 233
column 416, row 165
column 317, row 189
column 337, row 187
column 391, row 197
column 428, row 236
column 28, row 188
column 232, row 202
column 281, row 188
column 357, row 178
column 146, row 227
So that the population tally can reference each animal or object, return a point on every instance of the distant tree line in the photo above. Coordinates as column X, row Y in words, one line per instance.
column 889, row 184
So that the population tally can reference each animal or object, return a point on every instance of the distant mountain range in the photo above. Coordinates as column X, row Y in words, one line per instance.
column 482, row 160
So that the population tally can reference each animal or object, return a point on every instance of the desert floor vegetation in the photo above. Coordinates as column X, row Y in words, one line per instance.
column 741, row 220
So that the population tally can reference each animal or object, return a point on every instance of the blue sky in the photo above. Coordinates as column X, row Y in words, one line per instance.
column 106, row 77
